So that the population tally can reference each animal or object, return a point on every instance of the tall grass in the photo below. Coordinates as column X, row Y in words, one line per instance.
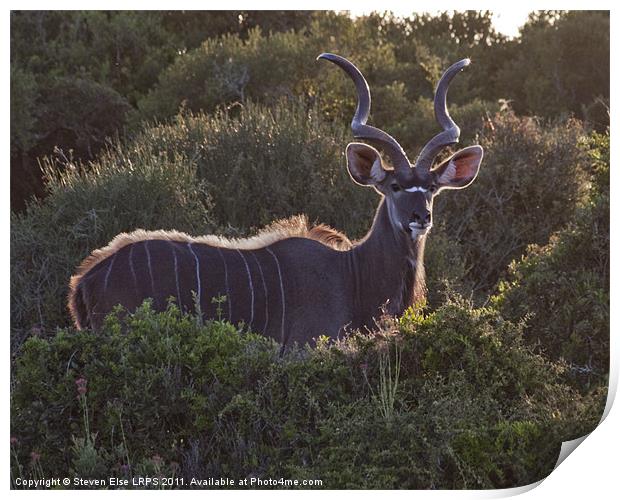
column 388, row 381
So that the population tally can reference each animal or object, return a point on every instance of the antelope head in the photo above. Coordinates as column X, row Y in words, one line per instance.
column 408, row 189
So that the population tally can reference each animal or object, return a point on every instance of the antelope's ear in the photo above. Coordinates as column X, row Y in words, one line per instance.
column 364, row 164
column 460, row 170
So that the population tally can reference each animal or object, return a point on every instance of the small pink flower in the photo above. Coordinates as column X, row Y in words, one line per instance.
column 14, row 441
column 81, row 386
column 35, row 457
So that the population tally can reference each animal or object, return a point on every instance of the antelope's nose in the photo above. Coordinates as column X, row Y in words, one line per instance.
column 422, row 218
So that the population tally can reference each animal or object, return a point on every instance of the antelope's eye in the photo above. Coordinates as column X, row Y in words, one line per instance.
column 396, row 188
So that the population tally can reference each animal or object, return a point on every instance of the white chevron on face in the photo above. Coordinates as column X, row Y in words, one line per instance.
column 416, row 188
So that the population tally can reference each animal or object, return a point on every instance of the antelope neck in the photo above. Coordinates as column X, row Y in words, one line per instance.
column 385, row 267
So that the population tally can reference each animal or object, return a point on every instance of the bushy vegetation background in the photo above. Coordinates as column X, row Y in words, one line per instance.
column 222, row 122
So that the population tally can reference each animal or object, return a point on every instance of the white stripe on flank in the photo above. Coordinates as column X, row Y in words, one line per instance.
column 189, row 245
column 176, row 276
column 148, row 260
column 131, row 268
column 107, row 275
column 247, row 268
column 228, row 297
column 262, row 277
column 281, row 291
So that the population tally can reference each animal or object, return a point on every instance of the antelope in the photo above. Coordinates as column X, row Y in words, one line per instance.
column 293, row 282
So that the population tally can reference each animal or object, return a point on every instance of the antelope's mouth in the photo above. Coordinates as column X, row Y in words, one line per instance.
column 416, row 230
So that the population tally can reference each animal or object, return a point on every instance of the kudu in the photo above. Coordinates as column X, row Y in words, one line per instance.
column 293, row 282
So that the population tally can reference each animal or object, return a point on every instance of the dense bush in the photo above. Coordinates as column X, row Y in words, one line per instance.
column 79, row 114
column 24, row 94
column 25, row 174
column 265, row 68
column 70, row 70
column 86, row 208
column 563, row 287
column 452, row 400
column 116, row 49
column 267, row 163
column 203, row 60
column 229, row 69
column 559, row 65
column 84, row 69
column 533, row 177
column 125, row 50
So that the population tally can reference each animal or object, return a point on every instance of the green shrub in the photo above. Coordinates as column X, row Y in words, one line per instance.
column 267, row 163
column 560, row 64
column 79, row 114
column 532, row 179
column 86, row 207
column 562, row 288
column 24, row 93
column 229, row 69
column 155, row 60
column 470, row 406
column 123, row 50
column 25, row 174
column 265, row 68
column 74, row 78
column 417, row 125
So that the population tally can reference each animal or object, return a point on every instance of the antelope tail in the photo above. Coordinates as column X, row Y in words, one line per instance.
column 77, row 304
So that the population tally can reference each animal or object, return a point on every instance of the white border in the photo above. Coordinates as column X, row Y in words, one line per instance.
column 590, row 472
